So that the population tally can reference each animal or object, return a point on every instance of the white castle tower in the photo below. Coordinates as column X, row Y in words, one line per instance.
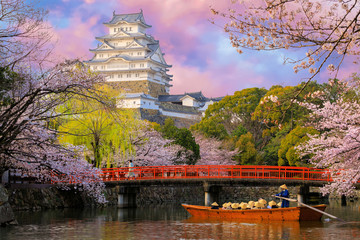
column 131, row 59
column 134, row 63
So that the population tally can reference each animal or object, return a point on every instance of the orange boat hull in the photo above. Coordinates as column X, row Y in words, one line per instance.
column 275, row 214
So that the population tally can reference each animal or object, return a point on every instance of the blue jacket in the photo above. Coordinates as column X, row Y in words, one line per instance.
column 284, row 193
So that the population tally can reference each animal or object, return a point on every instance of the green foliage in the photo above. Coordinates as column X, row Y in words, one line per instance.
column 105, row 132
column 287, row 152
column 225, row 116
column 277, row 110
column 211, row 128
column 239, row 131
column 247, row 152
column 182, row 137
column 270, row 151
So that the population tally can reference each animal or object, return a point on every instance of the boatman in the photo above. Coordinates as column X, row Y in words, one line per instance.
column 284, row 193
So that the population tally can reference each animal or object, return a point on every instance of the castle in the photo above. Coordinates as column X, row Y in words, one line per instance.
column 133, row 61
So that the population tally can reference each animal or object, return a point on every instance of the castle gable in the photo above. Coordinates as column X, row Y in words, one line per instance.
column 128, row 18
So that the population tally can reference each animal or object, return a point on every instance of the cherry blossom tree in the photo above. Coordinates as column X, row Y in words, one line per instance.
column 27, row 141
column 29, row 96
column 328, row 31
column 24, row 34
column 337, row 147
column 154, row 150
column 212, row 152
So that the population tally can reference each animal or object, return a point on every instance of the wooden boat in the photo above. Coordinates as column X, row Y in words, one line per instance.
column 274, row 214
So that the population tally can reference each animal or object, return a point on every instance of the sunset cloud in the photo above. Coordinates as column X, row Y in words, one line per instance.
column 200, row 52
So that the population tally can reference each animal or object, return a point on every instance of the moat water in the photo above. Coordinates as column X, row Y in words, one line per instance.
column 173, row 222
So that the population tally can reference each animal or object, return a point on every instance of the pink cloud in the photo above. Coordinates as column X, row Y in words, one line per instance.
column 186, row 37
column 75, row 41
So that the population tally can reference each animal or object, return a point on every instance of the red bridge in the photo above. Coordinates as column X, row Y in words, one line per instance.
column 215, row 172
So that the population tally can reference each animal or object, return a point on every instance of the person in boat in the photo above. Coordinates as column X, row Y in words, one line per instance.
column 235, row 206
column 284, row 193
column 251, row 204
column 262, row 202
column 214, row 205
column 257, row 205
column 272, row 204
column 243, row 206
column 227, row 206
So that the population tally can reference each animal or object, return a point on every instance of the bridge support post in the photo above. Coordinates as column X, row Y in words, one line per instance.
column 303, row 194
column 211, row 193
column 126, row 197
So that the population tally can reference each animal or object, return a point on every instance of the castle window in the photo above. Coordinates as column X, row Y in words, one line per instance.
column 134, row 102
column 139, row 53
column 136, row 75
column 114, row 29
column 131, row 54
column 102, row 67
column 119, row 29
column 132, row 65
column 142, row 65
column 126, row 29
column 128, row 75
column 120, row 76
column 130, row 28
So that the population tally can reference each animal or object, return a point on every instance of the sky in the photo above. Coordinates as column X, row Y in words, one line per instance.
column 200, row 53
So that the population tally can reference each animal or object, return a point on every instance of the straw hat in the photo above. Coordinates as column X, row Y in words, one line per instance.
column 257, row 205
column 272, row 203
column 235, row 206
column 243, row 206
column 262, row 201
column 251, row 204
column 283, row 186
column 279, row 204
column 227, row 204
column 215, row 204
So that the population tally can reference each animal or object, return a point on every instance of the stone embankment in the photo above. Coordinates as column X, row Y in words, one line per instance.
column 32, row 197
column 6, row 213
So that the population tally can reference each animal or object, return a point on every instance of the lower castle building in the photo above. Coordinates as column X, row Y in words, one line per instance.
column 133, row 62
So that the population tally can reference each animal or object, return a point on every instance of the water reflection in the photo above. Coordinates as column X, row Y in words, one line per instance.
column 172, row 222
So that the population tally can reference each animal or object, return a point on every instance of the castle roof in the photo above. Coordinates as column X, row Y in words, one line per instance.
column 139, row 95
column 128, row 18
column 178, row 108
column 178, row 98
column 126, row 58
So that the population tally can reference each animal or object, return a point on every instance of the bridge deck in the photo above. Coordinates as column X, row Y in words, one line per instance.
column 215, row 172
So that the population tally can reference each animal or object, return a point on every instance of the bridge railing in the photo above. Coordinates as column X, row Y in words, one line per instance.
column 215, row 171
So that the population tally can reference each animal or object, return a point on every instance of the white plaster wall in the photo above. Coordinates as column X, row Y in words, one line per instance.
column 149, row 104
column 129, row 103
column 207, row 104
column 188, row 102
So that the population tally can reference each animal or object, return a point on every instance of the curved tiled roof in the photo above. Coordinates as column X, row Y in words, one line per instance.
column 178, row 108
column 129, row 18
